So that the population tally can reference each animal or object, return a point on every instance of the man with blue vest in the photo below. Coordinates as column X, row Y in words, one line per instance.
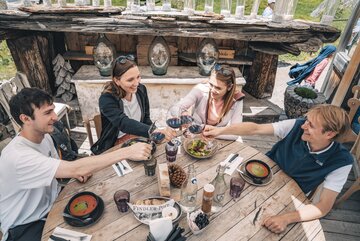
column 308, row 153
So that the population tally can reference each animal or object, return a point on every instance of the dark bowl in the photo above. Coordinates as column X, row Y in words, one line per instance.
column 140, row 139
column 257, row 170
column 83, row 205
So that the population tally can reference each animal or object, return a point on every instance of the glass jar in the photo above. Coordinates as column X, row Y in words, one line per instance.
column 220, row 189
column 107, row 4
column 254, row 9
column 159, row 56
column 3, row 5
column 189, row 191
column 330, row 11
column 189, row 6
column 284, row 10
column 166, row 6
column 150, row 5
column 104, row 53
column 225, row 8
column 96, row 3
column 79, row 3
column 240, row 8
column 207, row 198
column 209, row 6
column 62, row 3
column 206, row 56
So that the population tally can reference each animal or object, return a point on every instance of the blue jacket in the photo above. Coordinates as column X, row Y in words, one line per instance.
column 301, row 71
column 307, row 169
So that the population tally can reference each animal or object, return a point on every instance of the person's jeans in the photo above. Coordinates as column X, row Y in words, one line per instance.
column 27, row 232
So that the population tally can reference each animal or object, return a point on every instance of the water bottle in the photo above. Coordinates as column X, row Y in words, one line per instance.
column 220, row 188
column 189, row 191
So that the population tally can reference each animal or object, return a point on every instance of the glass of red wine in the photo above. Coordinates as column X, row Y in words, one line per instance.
column 173, row 120
column 155, row 135
column 196, row 127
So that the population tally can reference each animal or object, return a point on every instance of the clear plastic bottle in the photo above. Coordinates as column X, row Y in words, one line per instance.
column 220, row 189
column 189, row 191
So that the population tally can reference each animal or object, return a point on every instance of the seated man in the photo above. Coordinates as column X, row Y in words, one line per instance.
column 29, row 166
column 308, row 153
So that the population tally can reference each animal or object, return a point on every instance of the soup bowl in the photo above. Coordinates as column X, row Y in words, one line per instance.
column 83, row 205
column 257, row 170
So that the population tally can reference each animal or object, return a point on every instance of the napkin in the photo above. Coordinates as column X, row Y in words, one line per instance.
column 70, row 235
column 160, row 228
column 231, row 167
column 124, row 171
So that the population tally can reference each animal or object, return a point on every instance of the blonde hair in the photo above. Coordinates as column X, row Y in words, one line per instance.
column 332, row 117
column 230, row 82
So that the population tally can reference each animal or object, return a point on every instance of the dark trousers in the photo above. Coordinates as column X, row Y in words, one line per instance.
column 27, row 232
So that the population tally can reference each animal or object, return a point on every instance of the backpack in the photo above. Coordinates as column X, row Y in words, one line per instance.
column 64, row 144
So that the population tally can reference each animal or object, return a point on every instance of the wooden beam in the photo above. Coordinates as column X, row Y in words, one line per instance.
column 347, row 78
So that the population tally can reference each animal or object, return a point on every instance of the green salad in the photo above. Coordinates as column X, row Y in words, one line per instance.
column 199, row 148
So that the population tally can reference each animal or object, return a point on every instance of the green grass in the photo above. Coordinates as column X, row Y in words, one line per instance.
column 303, row 10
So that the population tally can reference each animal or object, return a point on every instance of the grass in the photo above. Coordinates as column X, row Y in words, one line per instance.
column 303, row 10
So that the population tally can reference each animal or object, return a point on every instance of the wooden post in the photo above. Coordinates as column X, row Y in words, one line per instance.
column 261, row 80
column 32, row 57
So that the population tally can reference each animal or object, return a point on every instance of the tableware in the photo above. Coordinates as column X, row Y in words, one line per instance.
column 248, row 179
column 198, row 148
column 196, row 219
column 121, row 198
column 150, row 166
column 170, row 212
column 56, row 238
column 171, row 150
column 257, row 170
column 236, row 186
column 83, row 205
column 86, row 220
column 119, row 169
column 176, row 206
column 231, row 160
column 95, row 215
column 139, row 139
column 154, row 134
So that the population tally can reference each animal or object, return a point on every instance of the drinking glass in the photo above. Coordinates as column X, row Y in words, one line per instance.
column 150, row 166
column 121, row 198
column 209, row 6
column 171, row 150
column 173, row 120
column 225, row 8
column 240, row 8
column 236, row 186
column 154, row 134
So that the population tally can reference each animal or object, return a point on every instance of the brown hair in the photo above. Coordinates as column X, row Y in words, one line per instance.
column 230, row 81
column 332, row 117
column 118, row 70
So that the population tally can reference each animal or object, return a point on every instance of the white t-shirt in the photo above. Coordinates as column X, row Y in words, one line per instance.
column 336, row 179
column 132, row 110
column 28, row 188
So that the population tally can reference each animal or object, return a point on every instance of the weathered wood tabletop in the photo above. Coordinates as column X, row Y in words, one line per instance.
column 233, row 222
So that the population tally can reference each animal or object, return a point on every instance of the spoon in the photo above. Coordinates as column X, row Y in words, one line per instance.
column 86, row 220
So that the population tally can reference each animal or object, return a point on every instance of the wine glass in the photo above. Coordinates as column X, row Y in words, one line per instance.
column 155, row 135
column 173, row 120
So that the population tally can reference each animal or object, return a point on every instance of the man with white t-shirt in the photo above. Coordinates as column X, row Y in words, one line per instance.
column 308, row 153
column 29, row 166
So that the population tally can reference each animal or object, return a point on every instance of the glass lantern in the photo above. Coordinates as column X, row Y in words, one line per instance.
column 166, row 6
column 206, row 56
column 104, row 54
column 189, row 6
column 284, row 10
column 330, row 11
column 254, row 9
column 240, row 8
column 3, row 5
column 159, row 56
column 209, row 6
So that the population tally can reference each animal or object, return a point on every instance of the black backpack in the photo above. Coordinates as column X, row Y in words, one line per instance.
column 64, row 144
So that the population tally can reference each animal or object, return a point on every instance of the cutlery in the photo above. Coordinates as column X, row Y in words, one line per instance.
column 119, row 168
column 86, row 220
column 231, row 160
column 56, row 238
column 123, row 166
column 72, row 236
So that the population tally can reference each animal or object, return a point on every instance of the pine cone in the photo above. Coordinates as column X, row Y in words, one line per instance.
column 177, row 175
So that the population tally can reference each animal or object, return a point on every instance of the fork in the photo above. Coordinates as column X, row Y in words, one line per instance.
column 122, row 164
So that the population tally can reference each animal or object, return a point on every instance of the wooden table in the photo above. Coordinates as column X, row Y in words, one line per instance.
column 233, row 222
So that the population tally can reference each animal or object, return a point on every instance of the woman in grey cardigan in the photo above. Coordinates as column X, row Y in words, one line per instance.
column 124, row 106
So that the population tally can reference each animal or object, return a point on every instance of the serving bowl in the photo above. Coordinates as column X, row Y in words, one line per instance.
column 83, row 205
column 200, row 148
column 257, row 170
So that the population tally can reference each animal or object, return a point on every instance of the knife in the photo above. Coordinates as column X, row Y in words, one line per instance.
column 231, row 160
column 56, row 238
column 119, row 168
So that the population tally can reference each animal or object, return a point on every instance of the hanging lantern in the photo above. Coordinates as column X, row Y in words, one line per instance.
column 159, row 56
column 104, row 54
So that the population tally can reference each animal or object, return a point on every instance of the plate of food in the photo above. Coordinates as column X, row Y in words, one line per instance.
column 200, row 148
column 139, row 139
column 155, row 207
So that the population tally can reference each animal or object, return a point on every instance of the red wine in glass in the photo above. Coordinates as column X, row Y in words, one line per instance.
column 186, row 119
column 157, row 137
column 196, row 128
column 174, row 122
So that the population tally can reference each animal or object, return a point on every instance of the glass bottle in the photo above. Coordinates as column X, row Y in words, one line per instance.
column 220, row 189
column 209, row 6
column 225, row 8
column 240, row 8
column 254, row 9
column 189, row 191
column 330, row 11
column 207, row 198
column 104, row 52
column 166, row 6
